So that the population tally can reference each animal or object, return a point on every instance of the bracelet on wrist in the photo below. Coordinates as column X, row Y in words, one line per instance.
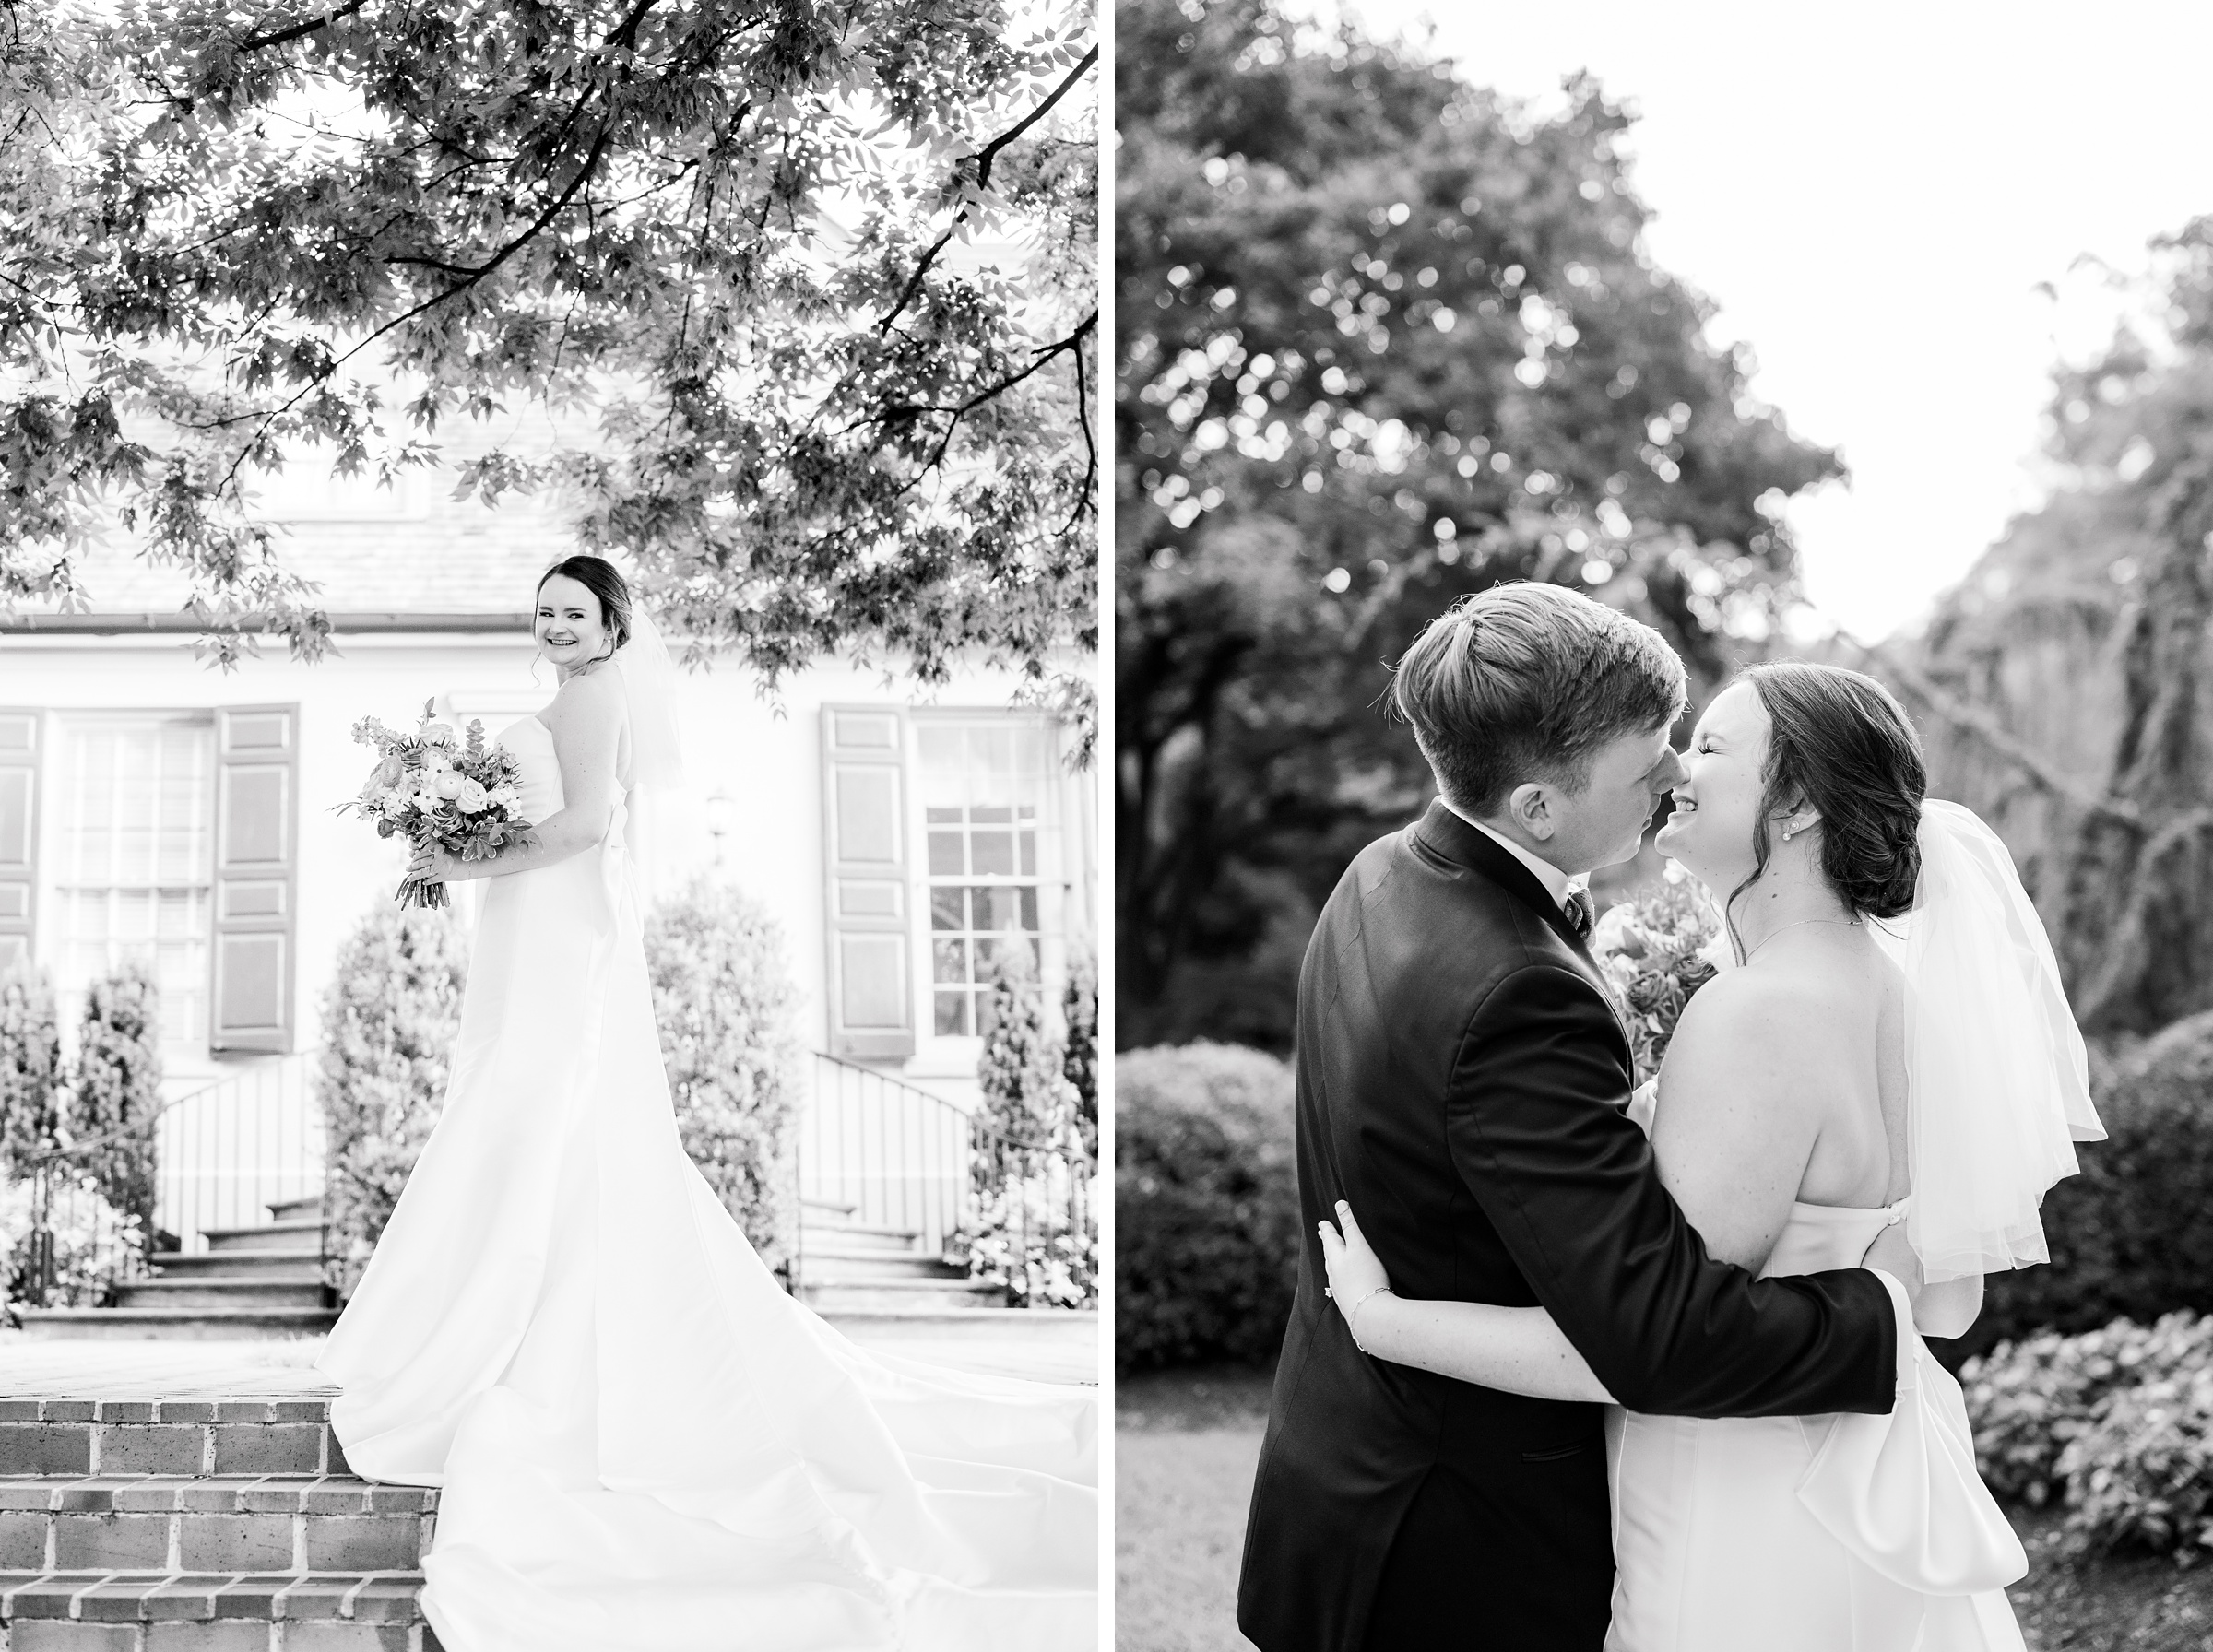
column 1351, row 1315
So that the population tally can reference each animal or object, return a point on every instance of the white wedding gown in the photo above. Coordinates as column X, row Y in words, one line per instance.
column 1836, row 1533
column 643, row 1444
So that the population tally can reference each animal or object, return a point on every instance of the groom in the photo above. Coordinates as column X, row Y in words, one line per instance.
column 1463, row 1076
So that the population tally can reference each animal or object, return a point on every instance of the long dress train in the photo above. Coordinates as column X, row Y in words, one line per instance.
column 642, row 1443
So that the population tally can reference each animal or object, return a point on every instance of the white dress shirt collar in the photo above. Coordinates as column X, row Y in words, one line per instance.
column 1557, row 883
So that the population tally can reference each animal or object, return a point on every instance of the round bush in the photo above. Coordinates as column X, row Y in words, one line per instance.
column 2132, row 1235
column 389, row 1020
column 723, row 999
column 1206, row 1205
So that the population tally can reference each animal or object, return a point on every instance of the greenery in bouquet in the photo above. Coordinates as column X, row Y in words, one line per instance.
column 444, row 789
column 1655, row 950
column 94, row 1244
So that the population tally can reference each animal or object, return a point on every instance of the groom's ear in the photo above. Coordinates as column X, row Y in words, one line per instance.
column 1531, row 806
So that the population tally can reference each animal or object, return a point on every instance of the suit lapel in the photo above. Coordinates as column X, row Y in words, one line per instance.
column 1445, row 835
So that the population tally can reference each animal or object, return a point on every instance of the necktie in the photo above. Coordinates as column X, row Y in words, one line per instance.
column 1581, row 911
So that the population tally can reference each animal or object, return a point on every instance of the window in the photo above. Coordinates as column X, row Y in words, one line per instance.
column 130, row 845
column 988, row 790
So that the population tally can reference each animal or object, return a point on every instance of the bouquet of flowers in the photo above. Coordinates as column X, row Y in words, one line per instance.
column 442, row 791
column 1654, row 950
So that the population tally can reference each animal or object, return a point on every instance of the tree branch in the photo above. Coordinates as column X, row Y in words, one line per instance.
column 284, row 37
column 983, row 158
column 1043, row 355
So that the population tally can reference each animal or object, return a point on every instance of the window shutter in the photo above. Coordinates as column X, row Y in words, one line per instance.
column 256, row 868
column 19, row 830
column 864, row 814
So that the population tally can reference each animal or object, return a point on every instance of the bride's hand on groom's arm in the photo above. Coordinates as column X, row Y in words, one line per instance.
column 1520, row 1350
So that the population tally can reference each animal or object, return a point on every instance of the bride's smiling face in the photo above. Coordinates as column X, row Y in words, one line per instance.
column 1723, row 784
column 570, row 629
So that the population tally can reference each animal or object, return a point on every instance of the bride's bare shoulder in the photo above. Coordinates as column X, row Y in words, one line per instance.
column 589, row 702
column 1746, row 1028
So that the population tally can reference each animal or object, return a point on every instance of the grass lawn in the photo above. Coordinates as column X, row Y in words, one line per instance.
column 1186, row 1443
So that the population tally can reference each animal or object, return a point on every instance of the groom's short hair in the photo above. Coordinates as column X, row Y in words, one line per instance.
column 1528, row 681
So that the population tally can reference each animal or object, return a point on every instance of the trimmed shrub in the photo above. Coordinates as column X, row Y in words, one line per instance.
column 1080, row 1060
column 389, row 1021
column 2132, row 1235
column 117, row 1084
column 723, row 999
column 2118, row 1422
column 1026, row 1226
column 30, row 1071
column 1026, row 1095
column 1206, row 1205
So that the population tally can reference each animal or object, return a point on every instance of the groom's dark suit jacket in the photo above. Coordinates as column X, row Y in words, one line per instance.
column 1463, row 1078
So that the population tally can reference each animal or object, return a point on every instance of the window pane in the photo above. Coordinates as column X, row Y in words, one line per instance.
column 945, row 854
column 941, row 816
column 993, row 853
column 947, row 910
column 994, row 907
column 948, row 960
column 1029, row 910
column 134, row 856
column 952, row 1019
column 1029, row 855
column 994, row 816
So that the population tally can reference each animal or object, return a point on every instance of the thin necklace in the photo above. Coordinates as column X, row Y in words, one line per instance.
column 1847, row 923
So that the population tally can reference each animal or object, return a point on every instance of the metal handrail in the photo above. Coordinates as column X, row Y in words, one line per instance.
column 894, row 1155
column 65, row 1148
column 48, row 1169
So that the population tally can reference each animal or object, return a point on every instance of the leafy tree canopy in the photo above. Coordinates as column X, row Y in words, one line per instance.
column 1383, row 338
column 731, row 232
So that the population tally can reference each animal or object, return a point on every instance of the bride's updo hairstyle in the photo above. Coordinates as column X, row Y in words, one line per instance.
column 1841, row 745
column 598, row 575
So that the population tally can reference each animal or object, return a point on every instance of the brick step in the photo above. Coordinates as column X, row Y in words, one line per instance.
column 298, row 1237
column 262, row 1523
column 111, row 1437
column 174, row 1325
column 257, row 1290
column 214, row 1612
column 294, row 1266
column 296, row 1209
column 832, row 1297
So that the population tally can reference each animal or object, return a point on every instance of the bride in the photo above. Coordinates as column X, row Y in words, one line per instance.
column 642, row 1443
column 1911, row 1086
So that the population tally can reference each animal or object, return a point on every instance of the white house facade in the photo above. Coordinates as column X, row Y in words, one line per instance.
column 150, row 806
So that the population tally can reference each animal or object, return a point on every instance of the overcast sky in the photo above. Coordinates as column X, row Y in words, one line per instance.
column 1873, row 196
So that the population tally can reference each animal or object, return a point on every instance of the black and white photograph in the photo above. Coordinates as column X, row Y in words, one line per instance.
column 1662, row 1088
column 552, row 871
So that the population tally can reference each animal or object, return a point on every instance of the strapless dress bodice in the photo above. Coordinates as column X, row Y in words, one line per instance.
column 1819, row 1237
column 538, row 767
